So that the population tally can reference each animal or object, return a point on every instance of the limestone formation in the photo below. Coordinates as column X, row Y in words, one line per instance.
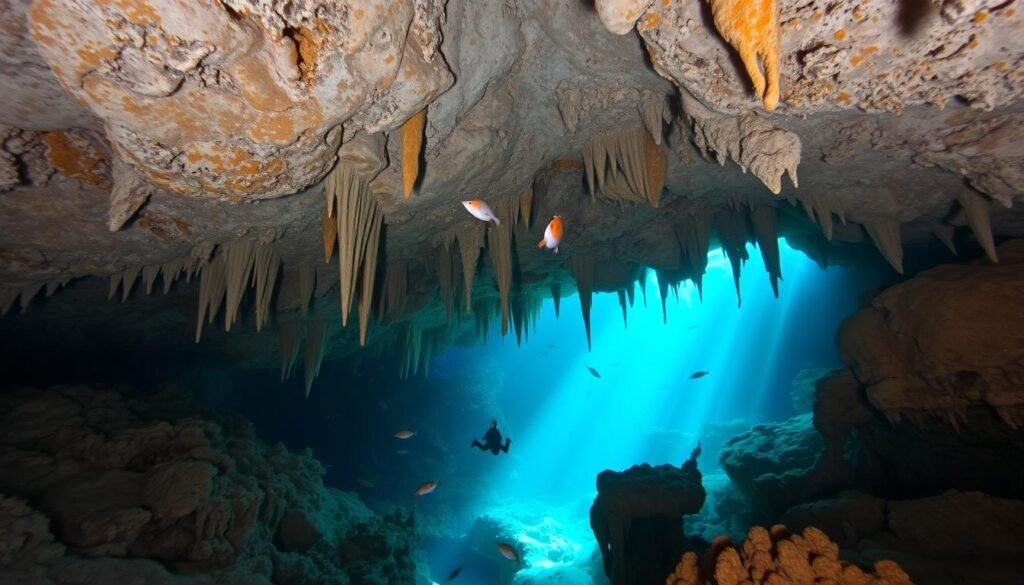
column 751, row 141
column 932, row 346
column 625, row 165
column 412, row 143
column 136, row 118
column 752, row 28
column 776, row 556
column 637, row 518
column 248, row 106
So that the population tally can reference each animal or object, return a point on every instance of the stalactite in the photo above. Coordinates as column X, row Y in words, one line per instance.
column 369, row 277
column 945, row 233
column 625, row 165
column 266, row 267
column 653, row 110
column 7, row 298
column 631, row 290
column 443, row 249
column 886, row 236
column 752, row 28
column 54, row 285
column 582, row 268
column 978, row 213
column 556, row 297
column 396, row 287
column 819, row 210
column 149, row 274
column 695, row 239
column 238, row 263
column 212, row 286
column 663, row 286
column 471, row 239
column 358, row 219
column 622, row 303
column 763, row 219
column 518, row 309
column 526, row 206
column 330, row 229
column 731, row 226
column 131, row 274
column 171, row 270
column 316, row 338
column 412, row 143
column 499, row 246
column 29, row 292
column 289, row 336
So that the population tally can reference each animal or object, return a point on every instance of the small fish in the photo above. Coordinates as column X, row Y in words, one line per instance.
column 594, row 372
column 698, row 374
column 453, row 574
column 481, row 211
column 552, row 234
column 508, row 552
column 425, row 489
column 402, row 452
column 405, row 434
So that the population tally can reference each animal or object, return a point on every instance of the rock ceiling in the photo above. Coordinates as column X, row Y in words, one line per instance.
column 152, row 139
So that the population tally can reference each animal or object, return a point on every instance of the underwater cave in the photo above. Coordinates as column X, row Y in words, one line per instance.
column 511, row 292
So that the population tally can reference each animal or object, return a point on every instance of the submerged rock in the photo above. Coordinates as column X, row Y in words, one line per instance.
column 637, row 518
column 118, row 489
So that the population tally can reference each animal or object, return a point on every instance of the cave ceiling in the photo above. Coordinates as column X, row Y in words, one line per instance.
column 137, row 135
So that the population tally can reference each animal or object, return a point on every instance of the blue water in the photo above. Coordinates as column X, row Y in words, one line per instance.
column 566, row 425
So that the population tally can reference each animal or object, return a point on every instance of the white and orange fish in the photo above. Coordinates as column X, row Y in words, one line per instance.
column 425, row 489
column 405, row 434
column 552, row 234
column 481, row 211
column 508, row 552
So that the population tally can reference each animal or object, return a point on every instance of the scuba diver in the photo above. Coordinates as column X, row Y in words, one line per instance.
column 492, row 440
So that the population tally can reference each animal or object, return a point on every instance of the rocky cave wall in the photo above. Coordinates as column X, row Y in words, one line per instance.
column 144, row 150
column 913, row 452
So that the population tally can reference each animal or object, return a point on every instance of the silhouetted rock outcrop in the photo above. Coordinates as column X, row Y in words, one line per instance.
column 637, row 518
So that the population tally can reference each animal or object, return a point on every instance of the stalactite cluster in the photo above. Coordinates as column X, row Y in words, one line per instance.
column 359, row 222
column 625, row 165
column 235, row 267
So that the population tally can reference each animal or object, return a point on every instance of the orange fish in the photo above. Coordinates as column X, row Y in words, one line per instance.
column 425, row 489
column 480, row 210
column 552, row 234
column 405, row 434
column 508, row 552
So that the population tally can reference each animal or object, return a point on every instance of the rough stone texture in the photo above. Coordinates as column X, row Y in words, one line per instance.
column 870, row 54
column 777, row 557
column 637, row 518
column 119, row 489
column 790, row 446
column 935, row 345
column 249, row 106
column 954, row 537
